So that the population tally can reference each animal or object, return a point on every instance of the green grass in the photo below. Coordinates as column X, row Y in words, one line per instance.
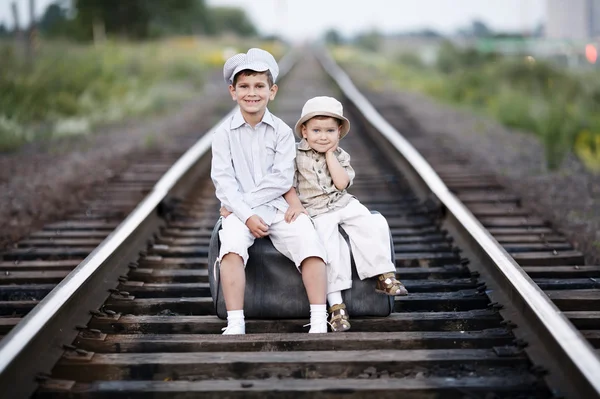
column 72, row 88
column 560, row 107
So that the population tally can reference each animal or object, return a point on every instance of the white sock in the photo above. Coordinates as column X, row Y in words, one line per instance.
column 235, row 316
column 335, row 298
column 318, row 313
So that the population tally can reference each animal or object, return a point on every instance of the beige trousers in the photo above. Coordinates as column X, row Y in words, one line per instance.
column 369, row 239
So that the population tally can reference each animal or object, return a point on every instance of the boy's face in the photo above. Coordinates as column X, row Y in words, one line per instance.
column 252, row 93
column 321, row 133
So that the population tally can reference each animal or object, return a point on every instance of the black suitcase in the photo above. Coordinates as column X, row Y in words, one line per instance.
column 274, row 288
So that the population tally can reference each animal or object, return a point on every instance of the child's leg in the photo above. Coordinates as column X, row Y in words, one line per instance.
column 299, row 242
column 233, row 281
column 370, row 241
column 235, row 240
column 339, row 273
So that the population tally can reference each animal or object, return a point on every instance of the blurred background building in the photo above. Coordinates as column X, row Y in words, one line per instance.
column 573, row 19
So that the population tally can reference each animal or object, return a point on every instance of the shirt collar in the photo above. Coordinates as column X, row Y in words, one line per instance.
column 303, row 146
column 238, row 119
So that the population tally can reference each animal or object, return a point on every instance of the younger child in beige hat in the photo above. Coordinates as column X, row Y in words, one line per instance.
column 323, row 173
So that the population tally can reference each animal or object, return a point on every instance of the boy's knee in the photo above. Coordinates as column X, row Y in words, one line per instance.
column 312, row 262
column 232, row 257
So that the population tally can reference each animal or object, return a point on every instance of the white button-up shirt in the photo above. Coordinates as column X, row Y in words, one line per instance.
column 253, row 167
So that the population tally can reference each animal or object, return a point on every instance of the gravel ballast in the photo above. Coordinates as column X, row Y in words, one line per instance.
column 44, row 182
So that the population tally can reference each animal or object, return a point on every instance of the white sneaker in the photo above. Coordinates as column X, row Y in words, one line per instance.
column 235, row 328
column 318, row 327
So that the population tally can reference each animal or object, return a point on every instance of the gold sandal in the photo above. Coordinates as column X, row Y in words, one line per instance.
column 339, row 318
column 388, row 284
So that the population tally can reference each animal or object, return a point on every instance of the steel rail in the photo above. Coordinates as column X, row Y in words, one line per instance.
column 21, row 357
column 569, row 348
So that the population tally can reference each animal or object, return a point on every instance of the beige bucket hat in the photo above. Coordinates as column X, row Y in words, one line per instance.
column 323, row 106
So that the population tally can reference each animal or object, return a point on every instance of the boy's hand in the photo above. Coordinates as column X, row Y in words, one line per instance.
column 293, row 212
column 224, row 212
column 257, row 226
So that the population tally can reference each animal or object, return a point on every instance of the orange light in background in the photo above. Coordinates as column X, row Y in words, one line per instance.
column 591, row 53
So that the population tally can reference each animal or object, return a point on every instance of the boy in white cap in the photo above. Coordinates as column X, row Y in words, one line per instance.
column 323, row 173
column 252, row 167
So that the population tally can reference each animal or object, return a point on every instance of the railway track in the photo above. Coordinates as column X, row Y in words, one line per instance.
column 143, row 324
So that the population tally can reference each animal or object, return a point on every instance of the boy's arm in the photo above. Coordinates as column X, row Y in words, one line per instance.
column 279, row 181
column 340, row 170
column 223, row 177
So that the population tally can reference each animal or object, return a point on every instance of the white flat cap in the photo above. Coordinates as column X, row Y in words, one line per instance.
column 255, row 59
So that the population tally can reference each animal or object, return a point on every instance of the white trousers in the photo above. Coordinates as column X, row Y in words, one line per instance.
column 369, row 239
column 297, row 240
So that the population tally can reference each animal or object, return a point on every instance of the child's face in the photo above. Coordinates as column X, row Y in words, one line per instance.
column 321, row 133
column 252, row 93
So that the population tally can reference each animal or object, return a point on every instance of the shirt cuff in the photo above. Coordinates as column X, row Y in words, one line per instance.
column 244, row 214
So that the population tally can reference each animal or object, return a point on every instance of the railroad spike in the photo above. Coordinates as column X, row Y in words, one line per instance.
column 539, row 370
column 97, row 313
column 42, row 377
column 521, row 343
column 508, row 323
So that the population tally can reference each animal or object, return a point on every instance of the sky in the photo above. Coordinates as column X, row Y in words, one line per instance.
column 308, row 19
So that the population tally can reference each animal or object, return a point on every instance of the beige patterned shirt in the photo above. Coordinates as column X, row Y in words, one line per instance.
column 314, row 184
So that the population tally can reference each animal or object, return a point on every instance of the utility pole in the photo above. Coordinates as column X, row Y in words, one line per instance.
column 31, row 35
column 17, row 25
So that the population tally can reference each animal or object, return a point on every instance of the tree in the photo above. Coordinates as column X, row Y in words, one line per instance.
column 3, row 30
column 480, row 29
column 332, row 36
column 231, row 19
column 477, row 29
column 179, row 16
column 369, row 41
column 54, row 21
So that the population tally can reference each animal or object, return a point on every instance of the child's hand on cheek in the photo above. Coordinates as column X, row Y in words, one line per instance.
column 333, row 147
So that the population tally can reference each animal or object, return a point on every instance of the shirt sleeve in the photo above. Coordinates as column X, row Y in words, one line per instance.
column 223, row 177
column 344, row 160
column 295, row 182
column 280, row 180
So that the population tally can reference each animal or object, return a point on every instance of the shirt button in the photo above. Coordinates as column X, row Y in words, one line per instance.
column 320, row 171
column 324, row 187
